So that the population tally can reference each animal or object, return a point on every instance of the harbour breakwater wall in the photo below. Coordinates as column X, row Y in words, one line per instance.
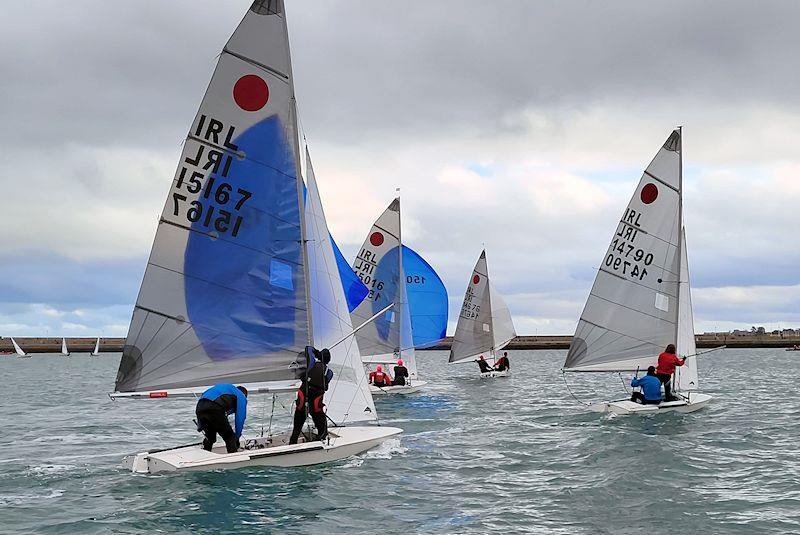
column 114, row 345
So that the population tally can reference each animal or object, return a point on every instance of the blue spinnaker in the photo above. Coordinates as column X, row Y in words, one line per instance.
column 354, row 290
column 427, row 299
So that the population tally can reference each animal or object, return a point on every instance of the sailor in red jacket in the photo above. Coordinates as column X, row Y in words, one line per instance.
column 379, row 377
column 667, row 362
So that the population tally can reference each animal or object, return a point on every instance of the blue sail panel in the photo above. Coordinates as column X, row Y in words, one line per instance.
column 427, row 299
column 245, row 291
column 354, row 290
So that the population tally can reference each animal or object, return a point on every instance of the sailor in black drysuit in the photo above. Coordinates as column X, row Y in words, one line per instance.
column 400, row 374
column 310, row 394
column 483, row 365
column 212, row 412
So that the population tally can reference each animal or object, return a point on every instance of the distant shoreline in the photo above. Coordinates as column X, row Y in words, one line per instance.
column 114, row 345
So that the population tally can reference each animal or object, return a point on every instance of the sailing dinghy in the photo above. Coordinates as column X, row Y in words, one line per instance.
column 96, row 350
column 379, row 265
column 242, row 275
column 640, row 301
column 484, row 323
column 18, row 350
column 64, row 350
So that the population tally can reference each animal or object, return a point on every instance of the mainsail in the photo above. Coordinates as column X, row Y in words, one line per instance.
column 348, row 398
column 484, row 323
column 378, row 267
column 224, row 296
column 18, row 350
column 632, row 312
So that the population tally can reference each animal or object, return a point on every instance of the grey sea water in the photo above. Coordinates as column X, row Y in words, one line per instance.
column 478, row 456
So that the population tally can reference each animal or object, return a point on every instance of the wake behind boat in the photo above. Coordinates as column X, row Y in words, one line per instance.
column 242, row 277
column 641, row 300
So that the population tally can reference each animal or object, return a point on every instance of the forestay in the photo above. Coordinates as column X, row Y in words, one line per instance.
column 348, row 398
column 484, row 323
column 224, row 295
column 632, row 311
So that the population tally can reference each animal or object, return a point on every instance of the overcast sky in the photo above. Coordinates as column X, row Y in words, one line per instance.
column 520, row 124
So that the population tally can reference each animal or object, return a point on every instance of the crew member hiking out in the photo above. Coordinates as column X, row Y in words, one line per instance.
column 651, row 388
column 379, row 377
column 502, row 363
column 212, row 412
column 667, row 361
column 483, row 365
column 311, row 392
column 400, row 374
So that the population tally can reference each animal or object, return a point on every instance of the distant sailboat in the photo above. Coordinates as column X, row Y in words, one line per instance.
column 18, row 350
column 96, row 350
column 64, row 350
column 640, row 301
column 484, row 323
column 243, row 276
column 409, row 283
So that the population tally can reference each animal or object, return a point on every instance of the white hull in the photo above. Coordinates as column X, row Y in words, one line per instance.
column 405, row 389
column 695, row 403
column 494, row 373
column 266, row 451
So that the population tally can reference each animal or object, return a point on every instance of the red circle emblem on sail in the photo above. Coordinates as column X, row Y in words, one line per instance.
column 649, row 193
column 251, row 92
column 476, row 279
column 376, row 239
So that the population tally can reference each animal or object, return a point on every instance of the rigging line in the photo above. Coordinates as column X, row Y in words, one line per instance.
column 158, row 437
column 271, row 414
column 263, row 414
column 564, row 376
column 623, row 382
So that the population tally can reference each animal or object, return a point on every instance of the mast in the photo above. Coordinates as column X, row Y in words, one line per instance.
column 491, row 318
column 680, row 227
column 300, row 196
column 401, row 279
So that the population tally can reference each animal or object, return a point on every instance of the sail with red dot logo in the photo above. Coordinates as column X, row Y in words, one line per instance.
column 484, row 323
column 224, row 296
column 632, row 312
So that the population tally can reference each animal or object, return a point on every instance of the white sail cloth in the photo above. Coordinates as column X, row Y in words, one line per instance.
column 484, row 323
column 686, row 378
column 348, row 398
column 631, row 314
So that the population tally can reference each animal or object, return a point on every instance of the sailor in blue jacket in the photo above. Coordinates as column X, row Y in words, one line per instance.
column 651, row 388
column 212, row 411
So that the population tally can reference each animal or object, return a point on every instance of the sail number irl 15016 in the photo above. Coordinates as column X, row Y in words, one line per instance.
column 218, row 205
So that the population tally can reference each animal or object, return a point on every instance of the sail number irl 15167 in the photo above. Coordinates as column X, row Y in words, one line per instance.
column 217, row 207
